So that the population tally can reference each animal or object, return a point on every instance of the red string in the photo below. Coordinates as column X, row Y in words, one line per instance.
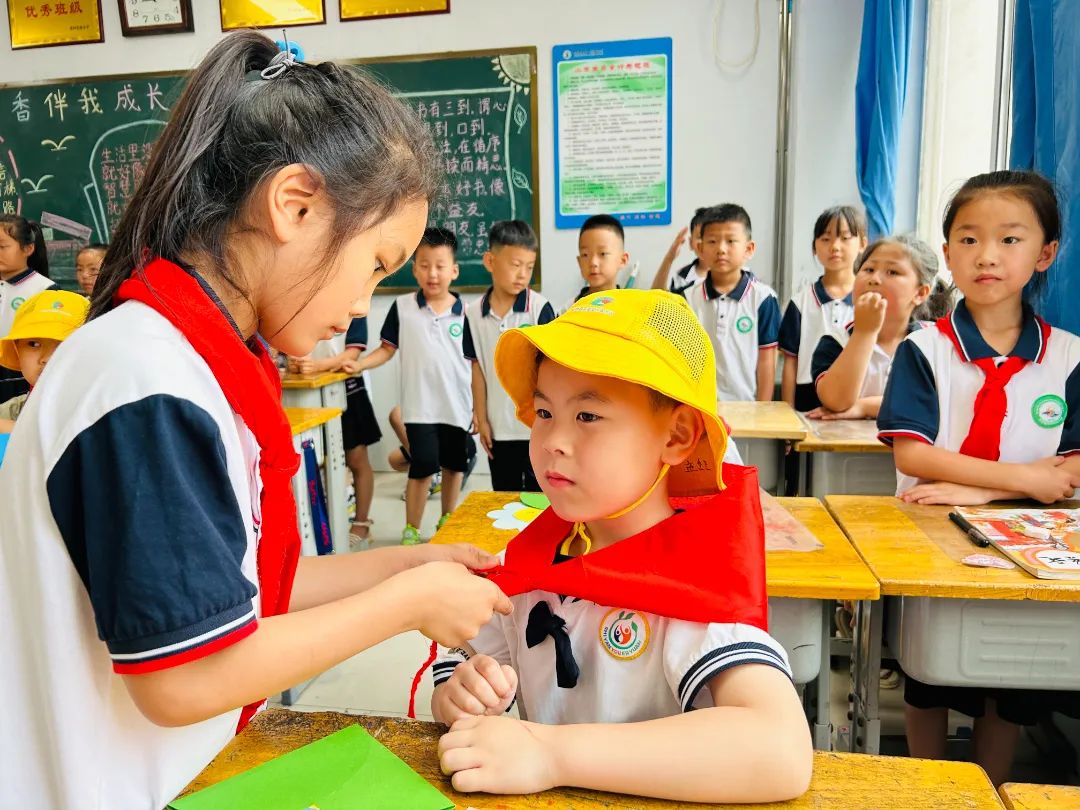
column 432, row 653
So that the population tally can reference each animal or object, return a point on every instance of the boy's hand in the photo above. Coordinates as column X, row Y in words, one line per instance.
column 947, row 493
column 351, row 366
column 306, row 365
column 483, row 430
column 449, row 603
column 478, row 686
column 856, row 411
column 473, row 558
column 870, row 313
column 676, row 246
column 499, row 755
column 1047, row 482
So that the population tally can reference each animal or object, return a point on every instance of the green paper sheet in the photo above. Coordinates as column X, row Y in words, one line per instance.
column 343, row 771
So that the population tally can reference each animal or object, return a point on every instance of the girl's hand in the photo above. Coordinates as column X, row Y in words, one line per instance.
column 483, row 429
column 449, row 604
column 351, row 366
column 473, row 558
column 1047, row 482
column 676, row 246
column 856, row 411
column 945, row 492
column 479, row 686
column 499, row 755
column 305, row 365
column 870, row 313
column 294, row 365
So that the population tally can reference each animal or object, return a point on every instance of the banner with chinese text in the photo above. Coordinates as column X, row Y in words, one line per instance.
column 37, row 24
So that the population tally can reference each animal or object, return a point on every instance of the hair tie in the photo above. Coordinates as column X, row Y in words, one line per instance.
column 281, row 62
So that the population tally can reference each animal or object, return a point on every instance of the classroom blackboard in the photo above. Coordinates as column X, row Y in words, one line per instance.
column 72, row 152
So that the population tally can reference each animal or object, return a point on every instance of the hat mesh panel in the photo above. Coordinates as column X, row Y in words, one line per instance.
column 675, row 324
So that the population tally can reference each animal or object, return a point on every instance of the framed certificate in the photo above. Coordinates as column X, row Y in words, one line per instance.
column 271, row 13
column 40, row 25
column 370, row 9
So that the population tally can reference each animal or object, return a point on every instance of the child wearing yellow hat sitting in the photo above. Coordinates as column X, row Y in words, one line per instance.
column 41, row 324
column 637, row 651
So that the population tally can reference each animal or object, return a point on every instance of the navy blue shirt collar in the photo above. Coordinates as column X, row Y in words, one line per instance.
column 1029, row 346
column 521, row 303
column 456, row 309
column 736, row 294
column 585, row 291
column 18, row 277
column 822, row 295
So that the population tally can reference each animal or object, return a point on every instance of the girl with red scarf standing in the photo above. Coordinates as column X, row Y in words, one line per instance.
column 151, row 593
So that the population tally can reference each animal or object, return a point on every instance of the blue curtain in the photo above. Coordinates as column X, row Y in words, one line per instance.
column 880, row 93
column 1045, row 137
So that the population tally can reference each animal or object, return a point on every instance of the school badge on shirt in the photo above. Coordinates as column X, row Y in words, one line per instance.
column 1049, row 411
column 624, row 634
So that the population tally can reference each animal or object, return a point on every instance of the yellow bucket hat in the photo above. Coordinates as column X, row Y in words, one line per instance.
column 647, row 337
column 51, row 314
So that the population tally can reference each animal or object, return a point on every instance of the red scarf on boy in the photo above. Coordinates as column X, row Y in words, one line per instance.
column 250, row 382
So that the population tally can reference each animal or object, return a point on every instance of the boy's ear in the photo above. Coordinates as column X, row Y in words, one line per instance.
column 456, row 270
column 686, row 428
column 625, row 259
column 290, row 198
column 488, row 259
column 751, row 246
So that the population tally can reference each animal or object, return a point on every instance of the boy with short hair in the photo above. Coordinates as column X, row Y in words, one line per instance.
column 740, row 313
column 628, row 612
column 690, row 273
column 436, row 404
column 601, row 254
column 41, row 324
column 508, row 303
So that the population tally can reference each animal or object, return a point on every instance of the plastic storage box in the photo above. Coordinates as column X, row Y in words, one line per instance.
column 852, row 474
column 796, row 624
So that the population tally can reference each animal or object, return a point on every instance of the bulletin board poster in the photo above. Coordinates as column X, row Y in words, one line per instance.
column 613, row 131
column 37, row 25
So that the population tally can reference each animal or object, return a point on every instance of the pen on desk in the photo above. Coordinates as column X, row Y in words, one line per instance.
column 977, row 537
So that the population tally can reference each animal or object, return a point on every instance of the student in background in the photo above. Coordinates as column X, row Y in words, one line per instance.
column 88, row 265
column 152, row 592
column 894, row 280
column 824, row 307
column 41, row 325
column 24, row 271
column 436, row 400
column 508, row 303
column 688, row 273
column 739, row 312
column 985, row 405
column 601, row 254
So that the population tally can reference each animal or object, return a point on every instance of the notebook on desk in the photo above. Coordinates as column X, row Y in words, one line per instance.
column 1044, row 542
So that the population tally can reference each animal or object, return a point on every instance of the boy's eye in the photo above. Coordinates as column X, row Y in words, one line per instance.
column 1011, row 240
column 967, row 240
column 542, row 413
column 587, row 417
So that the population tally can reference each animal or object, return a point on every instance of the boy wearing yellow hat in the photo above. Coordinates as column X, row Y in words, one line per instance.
column 629, row 612
column 41, row 324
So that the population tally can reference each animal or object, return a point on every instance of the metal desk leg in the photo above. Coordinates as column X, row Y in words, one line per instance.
column 866, row 671
column 303, row 505
column 822, row 692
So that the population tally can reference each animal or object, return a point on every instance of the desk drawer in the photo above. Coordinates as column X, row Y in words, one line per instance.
column 796, row 624
column 852, row 474
column 986, row 642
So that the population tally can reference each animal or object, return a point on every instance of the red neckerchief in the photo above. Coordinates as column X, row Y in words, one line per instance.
column 991, row 402
column 252, row 386
column 705, row 564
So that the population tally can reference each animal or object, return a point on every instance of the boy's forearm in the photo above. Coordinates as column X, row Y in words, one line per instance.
column 380, row 356
column 660, row 280
column 720, row 754
column 839, row 387
column 479, row 394
column 788, row 378
column 766, row 375
column 335, row 576
column 870, row 406
column 930, row 463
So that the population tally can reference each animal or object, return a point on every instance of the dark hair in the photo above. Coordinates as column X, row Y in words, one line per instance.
column 439, row 237
column 849, row 214
column 658, row 401
column 232, row 129
column 597, row 221
column 26, row 232
column 512, row 233
column 695, row 220
column 726, row 212
column 1031, row 187
column 104, row 248
column 925, row 263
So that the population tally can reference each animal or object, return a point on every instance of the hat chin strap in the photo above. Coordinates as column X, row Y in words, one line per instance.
column 579, row 526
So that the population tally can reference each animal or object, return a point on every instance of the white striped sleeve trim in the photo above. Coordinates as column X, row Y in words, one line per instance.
column 442, row 669
column 724, row 658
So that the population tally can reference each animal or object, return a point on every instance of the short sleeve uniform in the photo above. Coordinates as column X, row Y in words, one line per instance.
column 811, row 315
column 685, row 276
column 830, row 347
column 13, row 292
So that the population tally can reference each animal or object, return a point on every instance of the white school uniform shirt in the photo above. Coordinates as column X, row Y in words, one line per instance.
column 684, row 277
column 811, row 315
column 436, row 381
column 482, row 330
column 14, row 292
column 658, row 667
column 131, row 549
column 877, row 370
column 931, row 392
column 739, row 324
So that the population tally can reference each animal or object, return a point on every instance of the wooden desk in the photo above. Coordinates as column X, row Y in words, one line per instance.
column 1019, row 796
column 849, row 781
column 840, row 436
column 905, row 547
column 310, row 382
column 833, row 572
column 301, row 420
column 762, row 420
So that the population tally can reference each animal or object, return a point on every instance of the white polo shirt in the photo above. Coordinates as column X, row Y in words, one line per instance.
column 811, row 315
column 685, row 276
column 877, row 370
column 656, row 667
column 931, row 392
column 15, row 290
column 131, row 549
column 739, row 324
column 436, row 381
column 482, row 330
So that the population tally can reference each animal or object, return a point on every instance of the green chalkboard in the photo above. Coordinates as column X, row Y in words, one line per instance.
column 72, row 152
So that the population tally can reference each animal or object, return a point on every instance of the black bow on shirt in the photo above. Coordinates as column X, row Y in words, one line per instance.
column 544, row 623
